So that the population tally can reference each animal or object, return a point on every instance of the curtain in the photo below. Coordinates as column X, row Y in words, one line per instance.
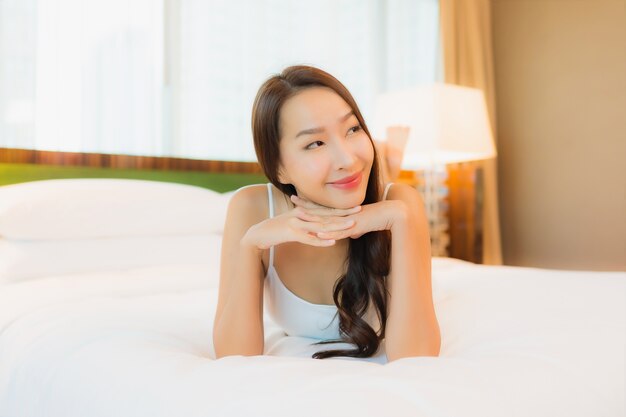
column 81, row 75
column 226, row 49
column 466, row 38
column 178, row 77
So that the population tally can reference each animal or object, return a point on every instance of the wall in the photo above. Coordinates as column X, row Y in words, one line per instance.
column 560, row 69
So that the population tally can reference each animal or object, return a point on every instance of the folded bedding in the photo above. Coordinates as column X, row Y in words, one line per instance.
column 515, row 341
column 108, row 290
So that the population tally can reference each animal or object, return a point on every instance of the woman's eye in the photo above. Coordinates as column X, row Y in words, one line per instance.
column 317, row 142
column 354, row 129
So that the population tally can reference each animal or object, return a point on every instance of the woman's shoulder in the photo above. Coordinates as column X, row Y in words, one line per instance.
column 249, row 203
column 402, row 191
column 408, row 195
column 251, row 192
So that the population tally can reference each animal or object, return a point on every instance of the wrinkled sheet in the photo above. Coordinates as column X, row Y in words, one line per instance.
column 138, row 342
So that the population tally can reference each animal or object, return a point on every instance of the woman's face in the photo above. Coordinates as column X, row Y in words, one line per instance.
column 323, row 147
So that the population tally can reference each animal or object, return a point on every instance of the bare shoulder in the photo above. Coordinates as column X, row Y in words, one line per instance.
column 248, row 205
column 405, row 192
column 402, row 191
column 251, row 192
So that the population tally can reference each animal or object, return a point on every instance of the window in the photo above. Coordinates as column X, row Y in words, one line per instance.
column 178, row 77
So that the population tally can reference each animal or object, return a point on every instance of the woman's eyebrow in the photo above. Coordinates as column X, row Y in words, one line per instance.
column 321, row 129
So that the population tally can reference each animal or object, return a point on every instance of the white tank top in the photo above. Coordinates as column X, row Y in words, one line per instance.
column 297, row 316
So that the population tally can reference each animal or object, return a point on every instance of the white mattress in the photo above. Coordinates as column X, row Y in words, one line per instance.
column 137, row 342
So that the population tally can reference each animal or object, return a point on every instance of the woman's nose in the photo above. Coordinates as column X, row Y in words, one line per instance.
column 343, row 154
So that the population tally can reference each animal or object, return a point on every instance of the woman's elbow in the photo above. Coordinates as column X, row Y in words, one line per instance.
column 224, row 348
column 237, row 350
column 412, row 354
column 221, row 355
column 431, row 348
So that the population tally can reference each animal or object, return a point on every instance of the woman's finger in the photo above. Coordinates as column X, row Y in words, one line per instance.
column 335, row 235
column 306, row 215
column 330, row 211
column 303, row 215
column 334, row 211
column 309, row 205
column 302, row 202
column 313, row 240
column 316, row 227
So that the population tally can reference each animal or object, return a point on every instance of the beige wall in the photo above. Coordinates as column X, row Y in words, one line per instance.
column 560, row 69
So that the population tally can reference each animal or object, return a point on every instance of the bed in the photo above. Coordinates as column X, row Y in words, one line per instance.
column 108, row 289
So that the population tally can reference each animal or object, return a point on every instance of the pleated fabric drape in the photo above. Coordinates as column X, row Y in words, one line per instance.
column 466, row 39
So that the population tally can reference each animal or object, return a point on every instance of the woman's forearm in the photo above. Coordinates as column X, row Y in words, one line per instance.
column 412, row 327
column 239, row 329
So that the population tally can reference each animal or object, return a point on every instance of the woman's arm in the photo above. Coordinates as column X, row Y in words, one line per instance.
column 238, row 325
column 412, row 327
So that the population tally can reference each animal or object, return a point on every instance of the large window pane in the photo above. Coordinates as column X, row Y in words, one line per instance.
column 178, row 77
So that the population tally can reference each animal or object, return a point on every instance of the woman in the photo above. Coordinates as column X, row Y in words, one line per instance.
column 324, row 242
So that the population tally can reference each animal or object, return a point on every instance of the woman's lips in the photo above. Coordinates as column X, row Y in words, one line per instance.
column 349, row 183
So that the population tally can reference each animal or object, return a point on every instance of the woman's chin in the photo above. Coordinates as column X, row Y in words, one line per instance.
column 348, row 202
column 341, row 200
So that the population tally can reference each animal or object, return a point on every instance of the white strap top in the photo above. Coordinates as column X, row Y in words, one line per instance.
column 295, row 315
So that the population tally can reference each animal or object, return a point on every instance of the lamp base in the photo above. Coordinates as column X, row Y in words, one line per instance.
column 431, row 183
column 465, row 182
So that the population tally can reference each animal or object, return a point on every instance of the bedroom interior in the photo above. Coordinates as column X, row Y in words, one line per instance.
column 109, row 280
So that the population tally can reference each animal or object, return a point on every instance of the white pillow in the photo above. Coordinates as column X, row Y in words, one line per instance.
column 103, row 207
column 27, row 260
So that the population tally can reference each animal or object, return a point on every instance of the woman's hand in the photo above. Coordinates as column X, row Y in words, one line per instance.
column 300, row 225
column 372, row 217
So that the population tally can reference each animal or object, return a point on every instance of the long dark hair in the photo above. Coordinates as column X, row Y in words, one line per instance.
column 368, row 256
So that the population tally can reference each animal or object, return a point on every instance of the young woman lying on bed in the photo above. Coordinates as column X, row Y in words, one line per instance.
column 337, row 254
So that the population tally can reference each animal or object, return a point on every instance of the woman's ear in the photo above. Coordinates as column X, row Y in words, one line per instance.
column 283, row 178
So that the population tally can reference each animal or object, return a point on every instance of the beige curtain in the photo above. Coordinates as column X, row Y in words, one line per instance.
column 468, row 61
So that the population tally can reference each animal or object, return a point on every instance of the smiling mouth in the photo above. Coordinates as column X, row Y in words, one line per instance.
column 347, row 180
column 348, row 183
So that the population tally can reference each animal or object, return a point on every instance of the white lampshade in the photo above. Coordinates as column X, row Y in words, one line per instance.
column 448, row 123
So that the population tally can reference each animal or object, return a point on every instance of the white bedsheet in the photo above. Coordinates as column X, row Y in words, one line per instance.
column 137, row 342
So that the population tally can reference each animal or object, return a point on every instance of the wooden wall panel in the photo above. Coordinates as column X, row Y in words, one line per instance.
column 27, row 156
column 465, row 212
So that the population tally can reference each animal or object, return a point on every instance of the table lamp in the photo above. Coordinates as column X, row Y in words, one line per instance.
column 447, row 124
